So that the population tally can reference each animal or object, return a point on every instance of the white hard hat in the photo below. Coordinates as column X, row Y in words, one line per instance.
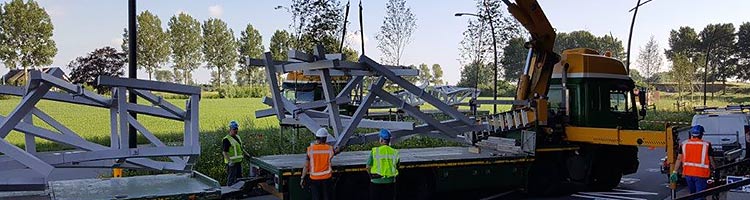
column 322, row 132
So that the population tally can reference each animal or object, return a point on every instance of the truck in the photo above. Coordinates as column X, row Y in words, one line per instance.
column 573, row 126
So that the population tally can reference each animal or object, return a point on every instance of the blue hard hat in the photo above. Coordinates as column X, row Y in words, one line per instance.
column 233, row 125
column 385, row 134
column 697, row 130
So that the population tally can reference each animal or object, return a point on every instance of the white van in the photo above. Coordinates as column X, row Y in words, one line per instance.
column 725, row 130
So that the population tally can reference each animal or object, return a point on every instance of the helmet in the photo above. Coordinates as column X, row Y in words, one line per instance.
column 233, row 125
column 385, row 134
column 321, row 133
column 697, row 130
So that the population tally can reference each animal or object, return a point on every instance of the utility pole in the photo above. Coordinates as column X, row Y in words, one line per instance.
column 632, row 24
column 132, row 68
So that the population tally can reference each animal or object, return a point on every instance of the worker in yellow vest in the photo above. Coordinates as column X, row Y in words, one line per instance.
column 695, row 160
column 233, row 153
column 383, row 168
column 318, row 166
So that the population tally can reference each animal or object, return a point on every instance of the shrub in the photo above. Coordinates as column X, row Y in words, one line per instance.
column 243, row 91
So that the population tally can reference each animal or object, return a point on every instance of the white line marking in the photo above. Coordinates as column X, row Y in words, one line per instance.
column 610, row 196
column 591, row 197
column 636, row 192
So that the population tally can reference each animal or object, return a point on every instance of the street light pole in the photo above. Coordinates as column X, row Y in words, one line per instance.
column 132, row 67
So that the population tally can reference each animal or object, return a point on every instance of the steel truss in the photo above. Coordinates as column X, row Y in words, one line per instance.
column 22, row 168
column 327, row 65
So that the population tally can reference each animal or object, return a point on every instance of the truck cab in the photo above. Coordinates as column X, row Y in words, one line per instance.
column 598, row 92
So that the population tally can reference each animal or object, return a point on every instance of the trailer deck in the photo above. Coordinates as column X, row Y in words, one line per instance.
column 291, row 164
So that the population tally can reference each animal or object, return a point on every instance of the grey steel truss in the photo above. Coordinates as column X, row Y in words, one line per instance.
column 343, row 126
column 23, row 168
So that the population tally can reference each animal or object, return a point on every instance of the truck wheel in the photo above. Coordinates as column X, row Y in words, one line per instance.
column 605, row 177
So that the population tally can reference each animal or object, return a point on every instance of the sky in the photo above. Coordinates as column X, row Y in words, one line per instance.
column 81, row 26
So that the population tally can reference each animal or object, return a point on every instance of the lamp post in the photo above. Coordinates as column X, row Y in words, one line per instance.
column 494, row 49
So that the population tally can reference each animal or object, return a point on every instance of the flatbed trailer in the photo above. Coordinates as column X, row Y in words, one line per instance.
column 424, row 173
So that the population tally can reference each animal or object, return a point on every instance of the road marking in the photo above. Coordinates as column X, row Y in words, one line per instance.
column 616, row 194
column 653, row 170
column 629, row 181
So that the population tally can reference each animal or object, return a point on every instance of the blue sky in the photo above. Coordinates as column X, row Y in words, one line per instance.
column 84, row 25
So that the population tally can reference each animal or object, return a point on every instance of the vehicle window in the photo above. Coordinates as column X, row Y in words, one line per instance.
column 555, row 97
column 618, row 101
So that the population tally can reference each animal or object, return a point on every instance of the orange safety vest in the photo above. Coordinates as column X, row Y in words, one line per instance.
column 695, row 158
column 320, row 161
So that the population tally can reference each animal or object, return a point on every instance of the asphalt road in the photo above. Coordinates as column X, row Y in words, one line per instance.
column 646, row 184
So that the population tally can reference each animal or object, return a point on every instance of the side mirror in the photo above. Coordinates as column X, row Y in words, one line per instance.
column 642, row 97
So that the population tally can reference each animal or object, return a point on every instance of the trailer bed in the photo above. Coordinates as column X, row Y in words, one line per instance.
column 291, row 164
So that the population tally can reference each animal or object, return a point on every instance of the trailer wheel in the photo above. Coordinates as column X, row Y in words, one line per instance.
column 606, row 174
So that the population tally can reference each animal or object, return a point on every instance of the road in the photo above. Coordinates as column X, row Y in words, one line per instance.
column 646, row 184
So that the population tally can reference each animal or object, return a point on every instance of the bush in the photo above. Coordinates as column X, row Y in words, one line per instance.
column 243, row 91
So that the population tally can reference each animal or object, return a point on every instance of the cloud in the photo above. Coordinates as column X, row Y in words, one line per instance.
column 216, row 11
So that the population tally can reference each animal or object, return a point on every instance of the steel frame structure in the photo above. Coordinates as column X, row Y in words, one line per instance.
column 21, row 168
column 327, row 65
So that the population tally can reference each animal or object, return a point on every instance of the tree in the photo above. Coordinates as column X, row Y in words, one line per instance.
column 718, row 40
column 424, row 74
column 637, row 78
column 683, row 41
column 684, row 73
column 743, row 52
column 650, row 60
column 219, row 50
column 164, row 76
column 185, row 42
column 584, row 39
column 25, row 35
column 437, row 75
column 514, row 59
column 153, row 43
column 477, row 43
column 250, row 46
column 280, row 43
column 395, row 33
column 100, row 62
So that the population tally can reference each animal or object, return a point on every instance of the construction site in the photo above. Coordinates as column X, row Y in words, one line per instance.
column 573, row 129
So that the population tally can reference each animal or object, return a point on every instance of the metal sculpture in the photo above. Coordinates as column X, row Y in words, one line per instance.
column 343, row 126
column 28, row 168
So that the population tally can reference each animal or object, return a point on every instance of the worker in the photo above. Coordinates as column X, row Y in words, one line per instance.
column 318, row 166
column 383, row 168
column 233, row 153
column 695, row 160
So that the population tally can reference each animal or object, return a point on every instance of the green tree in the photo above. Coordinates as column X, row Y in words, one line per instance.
column 219, row 50
column 164, row 75
column 185, row 42
column 683, row 41
column 684, row 73
column 743, row 52
column 100, row 62
column 437, row 75
column 718, row 40
column 250, row 46
column 424, row 74
column 395, row 33
column 319, row 22
column 280, row 43
column 25, row 35
column 639, row 80
column 514, row 59
column 153, row 43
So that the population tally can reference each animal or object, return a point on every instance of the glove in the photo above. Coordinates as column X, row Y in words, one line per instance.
column 673, row 177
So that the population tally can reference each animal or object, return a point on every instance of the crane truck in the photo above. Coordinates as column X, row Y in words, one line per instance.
column 578, row 107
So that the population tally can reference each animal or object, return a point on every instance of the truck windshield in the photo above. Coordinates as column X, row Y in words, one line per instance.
column 618, row 101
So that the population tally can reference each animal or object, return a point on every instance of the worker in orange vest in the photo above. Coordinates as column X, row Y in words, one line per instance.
column 695, row 160
column 318, row 166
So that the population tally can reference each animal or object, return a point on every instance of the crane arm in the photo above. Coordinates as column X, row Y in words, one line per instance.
column 542, row 59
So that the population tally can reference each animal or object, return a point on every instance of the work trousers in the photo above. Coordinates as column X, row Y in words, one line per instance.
column 233, row 173
column 382, row 191
column 696, row 184
column 321, row 189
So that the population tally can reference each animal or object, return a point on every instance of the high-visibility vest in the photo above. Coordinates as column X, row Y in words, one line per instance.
column 235, row 151
column 320, row 161
column 695, row 158
column 384, row 160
